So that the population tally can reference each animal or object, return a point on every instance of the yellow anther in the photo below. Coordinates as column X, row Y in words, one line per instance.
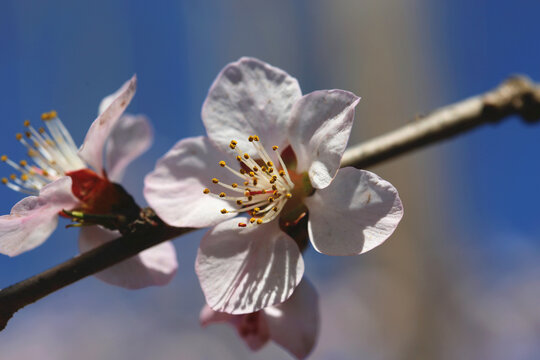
column 250, row 139
column 263, row 168
column 206, row 191
column 36, row 145
column 234, row 185
column 238, row 157
column 263, row 191
column 275, row 208
column 4, row 158
column 239, row 202
column 246, row 193
column 259, row 221
column 255, row 182
column 32, row 153
column 222, row 163
column 270, row 170
column 24, row 177
column 282, row 172
column 256, row 210
column 274, row 187
column 23, row 163
column 275, row 147
column 18, row 136
column 13, row 176
column 251, row 173
column 250, row 198
column 45, row 173
column 242, row 171
column 270, row 199
column 246, row 183
column 222, row 194
column 252, row 220
column 224, row 211
column 215, row 181
column 255, row 137
column 255, row 169
column 232, row 146
column 234, row 142
column 41, row 130
column 246, row 156
column 26, row 123
column 270, row 164
column 50, row 142
column 4, row 181
column 53, row 114
column 288, row 195
column 45, row 116
column 28, row 134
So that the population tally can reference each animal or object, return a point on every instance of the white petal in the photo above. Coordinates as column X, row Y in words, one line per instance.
column 130, row 138
column 319, row 132
column 34, row 218
column 175, row 188
column 154, row 266
column 295, row 323
column 356, row 213
column 245, row 270
column 92, row 148
column 250, row 97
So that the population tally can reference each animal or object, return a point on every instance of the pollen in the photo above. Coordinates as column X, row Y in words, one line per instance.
column 3, row 158
column 4, row 181
column 262, row 192
column 23, row 163
column 275, row 147
column 26, row 123
column 18, row 136
column 24, row 177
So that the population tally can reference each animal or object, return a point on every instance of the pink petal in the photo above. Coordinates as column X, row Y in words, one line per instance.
column 252, row 328
column 154, row 266
column 242, row 270
column 356, row 213
column 295, row 323
column 130, row 138
column 175, row 188
column 34, row 218
column 249, row 97
column 319, row 132
column 91, row 150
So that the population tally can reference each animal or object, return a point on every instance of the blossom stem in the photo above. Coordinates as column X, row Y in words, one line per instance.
column 515, row 96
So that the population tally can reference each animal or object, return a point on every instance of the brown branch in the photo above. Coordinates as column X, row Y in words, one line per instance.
column 516, row 96
column 150, row 232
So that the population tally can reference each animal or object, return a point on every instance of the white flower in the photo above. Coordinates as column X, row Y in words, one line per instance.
column 61, row 177
column 287, row 148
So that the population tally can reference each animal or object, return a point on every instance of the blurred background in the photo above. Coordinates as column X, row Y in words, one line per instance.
column 460, row 278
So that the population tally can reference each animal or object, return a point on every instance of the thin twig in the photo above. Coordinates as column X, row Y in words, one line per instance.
column 516, row 96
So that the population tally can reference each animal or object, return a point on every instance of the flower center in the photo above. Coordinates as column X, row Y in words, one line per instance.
column 53, row 153
column 264, row 189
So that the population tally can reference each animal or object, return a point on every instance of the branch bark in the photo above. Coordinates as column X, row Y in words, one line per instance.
column 516, row 96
